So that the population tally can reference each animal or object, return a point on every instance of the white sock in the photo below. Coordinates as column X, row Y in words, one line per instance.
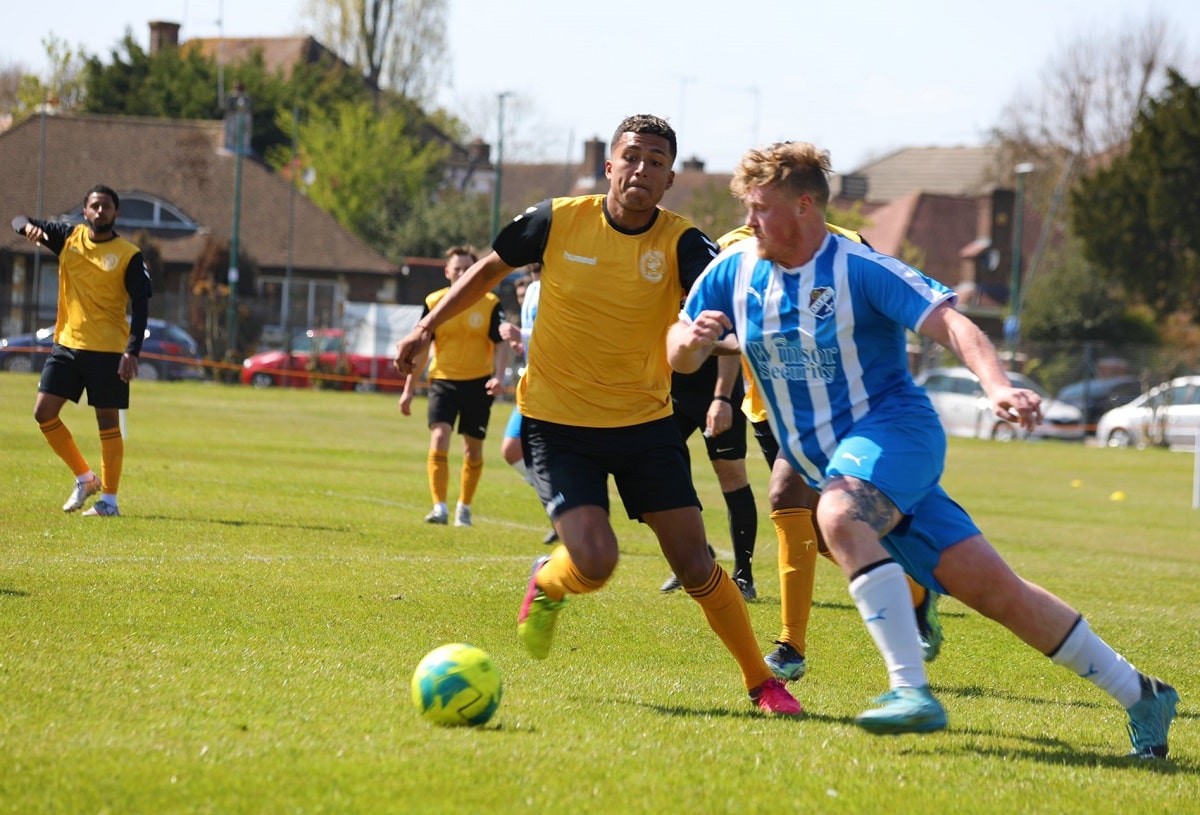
column 519, row 466
column 88, row 476
column 885, row 604
column 1093, row 659
column 109, row 498
column 440, row 508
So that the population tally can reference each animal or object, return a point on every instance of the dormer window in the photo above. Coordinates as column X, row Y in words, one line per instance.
column 142, row 211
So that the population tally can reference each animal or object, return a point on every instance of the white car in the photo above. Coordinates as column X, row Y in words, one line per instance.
column 965, row 411
column 1167, row 414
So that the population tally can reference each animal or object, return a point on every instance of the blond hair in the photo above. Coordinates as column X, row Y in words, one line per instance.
column 797, row 167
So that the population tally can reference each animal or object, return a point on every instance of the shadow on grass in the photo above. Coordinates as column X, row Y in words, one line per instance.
column 240, row 522
column 13, row 593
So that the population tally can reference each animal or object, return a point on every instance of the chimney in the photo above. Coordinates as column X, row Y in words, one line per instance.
column 695, row 164
column 594, row 153
column 479, row 153
column 163, row 36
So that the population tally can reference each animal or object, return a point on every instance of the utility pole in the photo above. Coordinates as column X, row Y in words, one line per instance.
column 239, row 108
column 1012, row 325
column 498, row 168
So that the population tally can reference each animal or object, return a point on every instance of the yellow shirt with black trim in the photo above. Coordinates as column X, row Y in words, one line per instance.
column 752, row 405
column 464, row 345
column 92, row 295
column 598, row 357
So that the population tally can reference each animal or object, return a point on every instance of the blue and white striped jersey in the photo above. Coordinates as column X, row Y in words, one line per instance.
column 825, row 342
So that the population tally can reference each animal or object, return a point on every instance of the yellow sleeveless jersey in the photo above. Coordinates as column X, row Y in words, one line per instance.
column 464, row 345
column 91, row 292
column 752, row 405
column 599, row 355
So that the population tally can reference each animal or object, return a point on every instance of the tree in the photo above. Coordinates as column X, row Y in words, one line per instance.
column 1137, row 216
column 370, row 169
column 452, row 218
column 64, row 90
column 397, row 44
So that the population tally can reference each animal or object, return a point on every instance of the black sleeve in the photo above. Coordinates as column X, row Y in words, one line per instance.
column 497, row 318
column 696, row 251
column 523, row 239
column 56, row 233
column 137, row 283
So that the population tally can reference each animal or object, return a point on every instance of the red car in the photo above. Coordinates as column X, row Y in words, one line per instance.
column 319, row 360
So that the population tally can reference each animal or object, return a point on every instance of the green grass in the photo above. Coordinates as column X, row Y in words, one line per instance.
column 241, row 641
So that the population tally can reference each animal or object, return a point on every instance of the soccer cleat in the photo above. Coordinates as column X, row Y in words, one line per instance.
column 670, row 584
column 747, row 588
column 102, row 509
column 535, row 620
column 462, row 515
column 904, row 710
column 83, row 490
column 1150, row 718
column 438, row 516
column 786, row 662
column 929, row 626
column 773, row 697
column 551, row 537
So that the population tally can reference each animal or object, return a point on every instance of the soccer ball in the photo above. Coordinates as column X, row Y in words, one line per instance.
column 456, row 684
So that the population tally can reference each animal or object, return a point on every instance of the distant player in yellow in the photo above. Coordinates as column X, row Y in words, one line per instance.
column 96, row 348
column 596, row 396
column 792, row 505
column 466, row 372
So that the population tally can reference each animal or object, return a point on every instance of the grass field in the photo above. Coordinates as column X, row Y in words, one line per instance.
column 241, row 640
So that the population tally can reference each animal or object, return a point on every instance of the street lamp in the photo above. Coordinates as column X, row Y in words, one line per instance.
column 498, row 171
column 1012, row 323
column 238, row 108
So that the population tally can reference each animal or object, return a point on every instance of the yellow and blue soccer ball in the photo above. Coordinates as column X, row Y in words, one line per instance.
column 456, row 684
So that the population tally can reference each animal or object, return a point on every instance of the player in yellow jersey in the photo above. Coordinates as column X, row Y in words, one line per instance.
column 465, row 374
column 596, row 395
column 96, row 348
column 793, row 503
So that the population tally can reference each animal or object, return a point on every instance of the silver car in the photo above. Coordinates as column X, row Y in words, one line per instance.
column 965, row 411
column 1167, row 414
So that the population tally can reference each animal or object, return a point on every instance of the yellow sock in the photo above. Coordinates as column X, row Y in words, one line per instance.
column 63, row 443
column 797, row 573
column 560, row 576
column 439, row 476
column 472, row 469
column 112, row 456
column 917, row 591
column 726, row 612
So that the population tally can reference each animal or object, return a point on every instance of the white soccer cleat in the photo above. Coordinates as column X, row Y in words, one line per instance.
column 83, row 490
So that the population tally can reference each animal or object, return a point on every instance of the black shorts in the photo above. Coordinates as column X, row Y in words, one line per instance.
column 570, row 466
column 691, row 413
column 68, row 372
column 466, row 400
column 766, row 441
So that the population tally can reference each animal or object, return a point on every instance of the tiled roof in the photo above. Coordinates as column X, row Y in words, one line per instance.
column 181, row 162
column 966, row 171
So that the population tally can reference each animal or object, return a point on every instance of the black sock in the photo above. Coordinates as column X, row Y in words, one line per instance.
column 743, row 530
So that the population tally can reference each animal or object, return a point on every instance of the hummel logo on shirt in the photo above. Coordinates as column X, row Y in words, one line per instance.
column 579, row 259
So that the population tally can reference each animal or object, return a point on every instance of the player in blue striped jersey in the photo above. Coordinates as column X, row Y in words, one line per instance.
column 821, row 321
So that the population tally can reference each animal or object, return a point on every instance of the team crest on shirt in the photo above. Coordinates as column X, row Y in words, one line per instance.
column 820, row 302
column 475, row 319
column 652, row 265
column 109, row 262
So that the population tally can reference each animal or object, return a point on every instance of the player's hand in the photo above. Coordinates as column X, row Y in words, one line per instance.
column 405, row 402
column 718, row 419
column 493, row 386
column 1019, row 405
column 410, row 347
column 708, row 327
column 127, row 368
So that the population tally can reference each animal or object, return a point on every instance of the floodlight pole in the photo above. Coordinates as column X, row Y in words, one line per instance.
column 1012, row 325
column 241, row 110
column 497, row 167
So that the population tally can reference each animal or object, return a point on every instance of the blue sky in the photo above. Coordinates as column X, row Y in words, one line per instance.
column 861, row 84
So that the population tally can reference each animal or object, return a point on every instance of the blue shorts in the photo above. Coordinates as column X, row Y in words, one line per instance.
column 902, row 454
column 512, row 430
column 937, row 523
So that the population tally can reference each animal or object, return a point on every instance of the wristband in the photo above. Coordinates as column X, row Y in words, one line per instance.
column 720, row 398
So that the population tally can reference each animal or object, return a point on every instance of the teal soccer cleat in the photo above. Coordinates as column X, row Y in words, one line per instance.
column 904, row 710
column 1150, row 718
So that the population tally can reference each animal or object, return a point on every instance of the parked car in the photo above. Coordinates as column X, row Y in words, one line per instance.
column 318, row 358
column 168, row 352
column 1097, row 396
column 965, row 411
column 1167, row 414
